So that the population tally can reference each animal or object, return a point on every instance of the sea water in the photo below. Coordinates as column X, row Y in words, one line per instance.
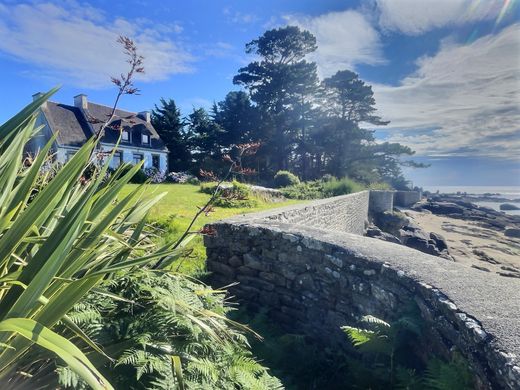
column 508, row 192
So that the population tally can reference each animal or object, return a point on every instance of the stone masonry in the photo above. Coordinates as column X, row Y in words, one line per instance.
column 314, row 280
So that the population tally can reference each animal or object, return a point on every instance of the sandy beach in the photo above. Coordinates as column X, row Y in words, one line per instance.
column 470, row 244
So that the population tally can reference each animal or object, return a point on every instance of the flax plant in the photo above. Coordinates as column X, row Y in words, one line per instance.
column 58, row 243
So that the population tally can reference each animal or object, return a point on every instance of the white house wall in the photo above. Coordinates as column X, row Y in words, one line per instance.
column 127, row 155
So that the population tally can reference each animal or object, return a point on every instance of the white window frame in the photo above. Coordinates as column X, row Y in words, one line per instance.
column 69, row 154
column 117, row 154
column 147, row 138
column 158, row 157
column 123, row 136
column 137, row 155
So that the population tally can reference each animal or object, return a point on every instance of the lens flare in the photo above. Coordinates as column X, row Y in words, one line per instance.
column 506, row 9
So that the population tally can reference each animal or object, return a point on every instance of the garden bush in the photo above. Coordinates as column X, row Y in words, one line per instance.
column 318, row 189
column 285, row 179
column 336, row 187
column 231, row 195
column 305, row 190
column 154, row 175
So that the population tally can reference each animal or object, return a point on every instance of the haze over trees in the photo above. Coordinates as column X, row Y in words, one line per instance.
column 308, row 126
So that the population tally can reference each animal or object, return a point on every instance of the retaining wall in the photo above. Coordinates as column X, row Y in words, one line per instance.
column 406, row 198
column 381, row 201
column 346, row 213
column 315, row 280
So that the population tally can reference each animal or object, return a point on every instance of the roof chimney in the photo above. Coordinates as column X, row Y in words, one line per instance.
column 144, row 115
column 38, row 95
column 80, row 101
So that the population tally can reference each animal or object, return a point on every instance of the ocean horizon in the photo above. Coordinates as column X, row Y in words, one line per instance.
column 511, row 192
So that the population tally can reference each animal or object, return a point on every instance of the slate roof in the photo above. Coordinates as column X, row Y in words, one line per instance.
column 68, row 123
column 75, row 126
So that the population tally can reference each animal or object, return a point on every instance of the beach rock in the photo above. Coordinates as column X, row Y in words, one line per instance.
column 423, row 246
column 443, row 208
column 390, row 222
column 431, row 243
column 483, row 256
column 509, row 206
column 440, row 241
column 375, row 232
column 512, row 232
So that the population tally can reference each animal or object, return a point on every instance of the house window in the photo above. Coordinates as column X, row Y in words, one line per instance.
column 137, row 158
column 155, row 161
column 69, row 155
column 145, row 139
column 117, row 160
column 125, row 136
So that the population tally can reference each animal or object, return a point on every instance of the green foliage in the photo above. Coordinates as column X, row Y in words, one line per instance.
column 57, row 243
column 139, row 177
column 166, row 119
column 237, row 196
column 231, row 195
column 75, row 254
column 343, row 186
column 299, row 362
column 454, row 375
column 305, row 190
column 193, row 181
column 318, row 189
column 379, row 186
column 164, row 315
column 397, row 343
column 285, row 179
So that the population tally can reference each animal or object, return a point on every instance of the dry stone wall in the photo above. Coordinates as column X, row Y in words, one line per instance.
column 314, row 280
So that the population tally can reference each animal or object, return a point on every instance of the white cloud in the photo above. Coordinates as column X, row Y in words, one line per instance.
column 344, row 40
column 239, row 17
column 465, row 100
column 414, row 17
column 77, row 44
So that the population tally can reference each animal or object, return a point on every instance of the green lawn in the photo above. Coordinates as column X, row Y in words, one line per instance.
column 175, row 211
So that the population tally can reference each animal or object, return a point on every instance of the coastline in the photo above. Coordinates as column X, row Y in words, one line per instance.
column 476, row 236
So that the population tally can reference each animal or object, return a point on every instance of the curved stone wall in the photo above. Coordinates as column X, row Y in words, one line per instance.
column 406, row 198
column 316, row 280
column 381, row 201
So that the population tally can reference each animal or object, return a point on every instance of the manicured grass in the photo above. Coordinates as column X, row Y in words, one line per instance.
column 175, row 210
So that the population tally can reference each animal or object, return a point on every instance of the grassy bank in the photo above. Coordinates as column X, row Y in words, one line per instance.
column 174, row 212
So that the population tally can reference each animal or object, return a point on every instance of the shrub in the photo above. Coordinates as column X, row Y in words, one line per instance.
column 210, row 187
column 285, row 179
column 318, row 189
column 379, row 186
column 306, row 190
column 181, row 177
column 327, row 177
column 154, row 175
column 193, row 181
column 343, row 186
column 238, row 195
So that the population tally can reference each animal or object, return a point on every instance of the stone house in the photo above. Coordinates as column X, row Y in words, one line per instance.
column 74, row 125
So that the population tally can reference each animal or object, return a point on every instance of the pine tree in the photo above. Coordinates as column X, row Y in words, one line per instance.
column 166, row 119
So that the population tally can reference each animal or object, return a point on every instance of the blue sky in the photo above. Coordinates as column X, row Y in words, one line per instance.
column 445, row 72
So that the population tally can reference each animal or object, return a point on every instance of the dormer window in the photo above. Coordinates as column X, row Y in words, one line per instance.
column 125, row 136
column 145, row 139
